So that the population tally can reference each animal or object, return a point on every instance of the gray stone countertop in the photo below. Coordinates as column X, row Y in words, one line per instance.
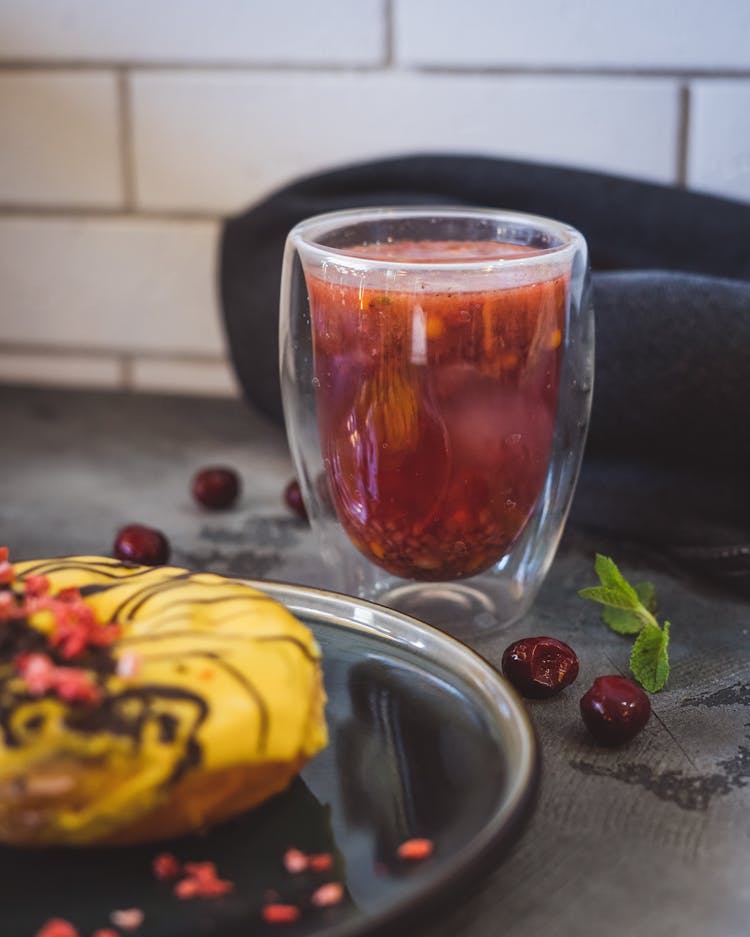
column 649, row 839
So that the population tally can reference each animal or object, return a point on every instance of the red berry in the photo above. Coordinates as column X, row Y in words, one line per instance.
column 615, row 709
column 216, row 487
column 293, row 499
column 139, row 544
column 540, row 667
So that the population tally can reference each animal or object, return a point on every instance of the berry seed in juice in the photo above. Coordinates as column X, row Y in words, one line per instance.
column 436, row 408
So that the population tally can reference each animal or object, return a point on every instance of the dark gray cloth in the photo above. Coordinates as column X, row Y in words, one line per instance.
column 668, row 454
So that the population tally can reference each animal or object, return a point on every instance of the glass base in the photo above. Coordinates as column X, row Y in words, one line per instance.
column 461, row 609
column 464, row 608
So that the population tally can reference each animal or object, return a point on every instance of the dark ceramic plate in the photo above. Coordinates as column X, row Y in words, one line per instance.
column 426, row 741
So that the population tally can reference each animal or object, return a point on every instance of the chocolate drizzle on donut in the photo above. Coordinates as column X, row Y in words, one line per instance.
column 241, row 680
column 117, row 715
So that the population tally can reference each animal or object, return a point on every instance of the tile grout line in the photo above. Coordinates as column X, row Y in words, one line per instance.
column 552, row 71
column 683, row 136
column 95, row 213
column 125, row 126
column 572, row 71
column 179, row 67
column 388, row 30
column 65, row 351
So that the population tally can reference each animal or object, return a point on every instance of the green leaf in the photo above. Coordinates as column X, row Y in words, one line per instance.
column 623, row 621
column 646, row 592
column 613, row 597
column 611, row 578
column 648, row 660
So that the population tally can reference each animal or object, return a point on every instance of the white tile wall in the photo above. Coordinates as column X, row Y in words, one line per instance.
column 719, row 142
column 297, row 32
column 110, row 283
column 60, row 143
column 129, row 126
column 644, row 34
column 248, row 133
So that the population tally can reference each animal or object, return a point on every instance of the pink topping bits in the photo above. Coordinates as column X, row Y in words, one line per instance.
column 201, row 881
column 7, row 574
column 165, row 866
column 329, row 894
column 76, row 628
column 280, row 913
column 321, row 862
column 42, row 676
column 69, row 629
column 415, row 850
column 128, row 919
column 8, row 607
column 295, row 861
column 36, row 585
column 128, row 665
column 57, row 927
column 187, row 888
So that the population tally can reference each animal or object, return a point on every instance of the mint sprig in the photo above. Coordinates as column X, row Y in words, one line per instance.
column 631, row 610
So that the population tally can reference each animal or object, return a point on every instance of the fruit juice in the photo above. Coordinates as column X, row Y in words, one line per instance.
column 436, row 403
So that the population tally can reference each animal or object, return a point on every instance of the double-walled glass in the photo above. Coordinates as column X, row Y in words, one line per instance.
column 436, row 369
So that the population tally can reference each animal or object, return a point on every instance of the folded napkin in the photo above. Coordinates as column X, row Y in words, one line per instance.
column 667, row 461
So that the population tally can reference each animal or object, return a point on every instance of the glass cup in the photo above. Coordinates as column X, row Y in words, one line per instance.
column 436, row 373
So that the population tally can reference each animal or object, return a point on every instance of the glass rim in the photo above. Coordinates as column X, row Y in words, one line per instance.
column 305, row 234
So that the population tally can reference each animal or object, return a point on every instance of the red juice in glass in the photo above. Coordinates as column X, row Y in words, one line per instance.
column 436, row 406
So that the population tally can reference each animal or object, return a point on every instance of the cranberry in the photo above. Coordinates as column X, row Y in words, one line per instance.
column 139, row 544
column 293, row 499
column 216, row 487
column 540, row 667
column 615, row 709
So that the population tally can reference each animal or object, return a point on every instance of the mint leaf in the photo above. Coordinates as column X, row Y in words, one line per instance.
column 648, row 660
column 611, row 578
column 624, row 621
column 646, row 592
column 617, row 593
column 605, row 595
column 631, row 610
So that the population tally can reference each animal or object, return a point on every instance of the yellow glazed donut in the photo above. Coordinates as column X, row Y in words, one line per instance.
column 140, row 703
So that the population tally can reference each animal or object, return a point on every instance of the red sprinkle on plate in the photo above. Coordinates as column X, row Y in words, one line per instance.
column 201, row 881
column 295, row 861
column 321, row 862
column 128, row 919
column 280, row 913
column 57, row 927
column 329, row 894
column 165, row 866
column 415, row 850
